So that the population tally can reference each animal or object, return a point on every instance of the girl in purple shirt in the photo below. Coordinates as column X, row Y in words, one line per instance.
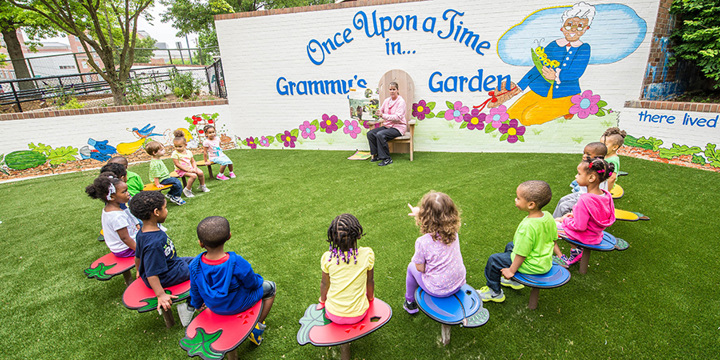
column 437, row 266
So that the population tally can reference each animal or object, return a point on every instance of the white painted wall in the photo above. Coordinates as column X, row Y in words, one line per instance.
column 257, row 51
column 114, row 127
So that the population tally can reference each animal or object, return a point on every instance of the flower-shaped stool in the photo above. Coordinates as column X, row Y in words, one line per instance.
column 463, row 308
column 211, row 336
column 608, row 243
column 139, row 297
column 556, row 277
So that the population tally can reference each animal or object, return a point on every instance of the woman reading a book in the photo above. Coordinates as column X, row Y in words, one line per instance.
column 392, row 124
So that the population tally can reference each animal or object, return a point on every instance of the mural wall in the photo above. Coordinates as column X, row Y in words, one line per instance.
column 522, row 77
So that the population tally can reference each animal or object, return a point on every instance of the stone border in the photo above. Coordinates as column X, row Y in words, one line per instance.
column 109, row 109
column 300, row 9
column 673, row 105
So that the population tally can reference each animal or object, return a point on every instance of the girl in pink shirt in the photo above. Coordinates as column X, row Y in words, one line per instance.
column 437, row 266
column 392, row 112
column 593, row 212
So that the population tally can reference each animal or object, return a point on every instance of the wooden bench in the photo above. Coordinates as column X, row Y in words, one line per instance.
column 109, row 265
column 209, row 165
column 608, row 243
column 408, row 139
column 139, row 297
column 463, row 308
column 556, row 277
column 212, row 336
column 318, row 330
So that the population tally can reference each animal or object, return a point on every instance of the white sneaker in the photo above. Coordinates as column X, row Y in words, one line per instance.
column 203, row 188
column 185, row 313
column 188, row 193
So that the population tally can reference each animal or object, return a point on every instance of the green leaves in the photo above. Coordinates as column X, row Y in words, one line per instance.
column 62, row 155
column 41, row 148
column 678, row 150
column 450, row 105
column 712, row 155
column 695, row 37
column 650, row 143
column 201, row 344
column 100, row 272
column 313, row 317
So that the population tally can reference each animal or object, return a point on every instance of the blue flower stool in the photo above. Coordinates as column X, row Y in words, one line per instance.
column 608, row 243
column 556, row 277
column 463, row 308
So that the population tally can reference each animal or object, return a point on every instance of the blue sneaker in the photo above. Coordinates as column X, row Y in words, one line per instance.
column 256, row 334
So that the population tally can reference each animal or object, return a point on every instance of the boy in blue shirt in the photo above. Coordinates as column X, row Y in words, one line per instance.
column 156, row 261
column 224, row 281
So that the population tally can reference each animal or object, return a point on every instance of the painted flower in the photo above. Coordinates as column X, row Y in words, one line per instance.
column 456, row 112
column 251, row 142
column 264, row 141
column 366, row 124
column 308, row 130
column 288, row 139
column 420, row 109
column 352, row 128
column 498, row 116
column 329, row 123
column 512, row 130
column 586, row 104
column 475, row 120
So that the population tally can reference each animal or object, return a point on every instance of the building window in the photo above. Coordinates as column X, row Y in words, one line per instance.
column 67, row 67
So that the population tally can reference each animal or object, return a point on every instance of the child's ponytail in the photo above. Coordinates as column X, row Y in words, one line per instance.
column 179, row 135
column 103, row 186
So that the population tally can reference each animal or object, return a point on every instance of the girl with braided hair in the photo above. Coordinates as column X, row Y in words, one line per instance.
column 437, row 266
column 348, row 284
column 593, row 212
column 119, row 226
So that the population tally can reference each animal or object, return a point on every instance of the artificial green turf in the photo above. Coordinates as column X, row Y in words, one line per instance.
column 658, row 299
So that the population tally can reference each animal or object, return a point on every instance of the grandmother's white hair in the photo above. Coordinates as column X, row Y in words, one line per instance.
column 580, row 10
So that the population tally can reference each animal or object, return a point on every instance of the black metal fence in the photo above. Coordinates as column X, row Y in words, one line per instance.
column 15, row 93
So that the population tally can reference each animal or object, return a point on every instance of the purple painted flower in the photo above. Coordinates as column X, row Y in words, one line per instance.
column 308, row 130
column 420, row 109
column 457, row 112
column 366, row 124
column 497, row 116
column 475, row 120
column 329, row 123
column 251, row 142
column 288, row 139
column 264, row 141
column 586, row 104
column 352, row 128
column 512, row 130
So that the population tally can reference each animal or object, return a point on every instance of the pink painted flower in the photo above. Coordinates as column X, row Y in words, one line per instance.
column 329, row 123
column 264, row 141
column 586, row 104
column 288, row 139
column 308, row 130
column 511, row 131
column 352, row 128
column 456, row 112
column 420, row 110
column 366, row 124
column 475, row 120
column 251, row 142
column 497, row 116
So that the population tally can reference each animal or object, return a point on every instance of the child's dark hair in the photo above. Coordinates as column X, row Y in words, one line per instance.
column 439, row 217
column 597, row 148
column 153, row 147
column 115, row 168
column 100, row 188
column 119, row 160
column 615, row 135
column 179, row 135
column 601, row 167
column 206, row 127
column 343, row 234
column 537, row 191
column 145, row 202
column 213, row 231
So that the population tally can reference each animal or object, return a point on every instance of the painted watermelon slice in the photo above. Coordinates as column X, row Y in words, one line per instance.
column 316, row 329
column 210, row 336
column 139, row 297
column 108, row 266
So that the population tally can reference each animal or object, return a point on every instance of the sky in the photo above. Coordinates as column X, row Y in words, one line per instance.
column 162, row 32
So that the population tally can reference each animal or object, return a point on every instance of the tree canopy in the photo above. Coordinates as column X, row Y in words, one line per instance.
column 696, row 34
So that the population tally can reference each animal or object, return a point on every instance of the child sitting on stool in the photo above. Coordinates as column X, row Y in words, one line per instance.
column 531, row 250
column 224, row 281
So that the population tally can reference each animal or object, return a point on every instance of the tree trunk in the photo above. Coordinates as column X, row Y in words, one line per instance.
column 17, row 58
column 118, row 93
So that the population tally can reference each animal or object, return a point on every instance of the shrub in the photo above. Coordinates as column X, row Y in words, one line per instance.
column 184, row 85
column 695, row 38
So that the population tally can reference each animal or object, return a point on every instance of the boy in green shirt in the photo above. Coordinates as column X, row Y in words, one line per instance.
column 614, row 139
column 160, row 175
column 531, row 250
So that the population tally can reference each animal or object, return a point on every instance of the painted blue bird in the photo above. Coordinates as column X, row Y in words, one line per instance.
column 145, row 132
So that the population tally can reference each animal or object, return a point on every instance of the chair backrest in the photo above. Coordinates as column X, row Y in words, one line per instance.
column 406, row 88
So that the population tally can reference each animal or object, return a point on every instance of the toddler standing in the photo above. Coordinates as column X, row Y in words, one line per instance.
column 437, row 265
